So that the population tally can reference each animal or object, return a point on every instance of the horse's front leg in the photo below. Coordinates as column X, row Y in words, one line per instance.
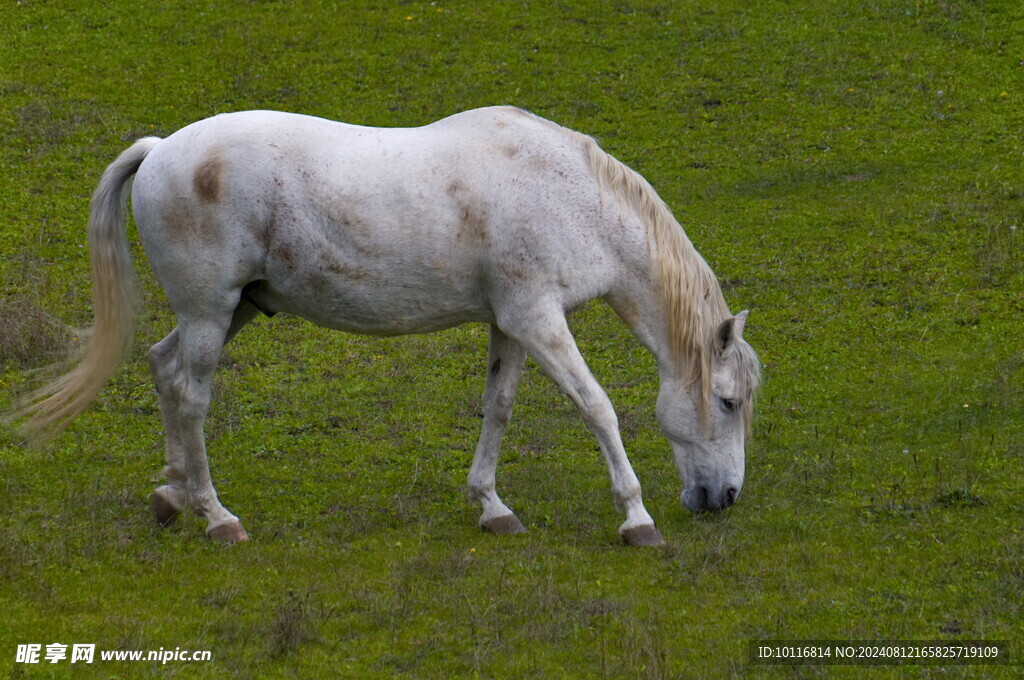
column 504, row 366
column 547, row 338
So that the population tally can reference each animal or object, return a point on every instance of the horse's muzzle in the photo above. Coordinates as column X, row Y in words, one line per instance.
column 702, row 498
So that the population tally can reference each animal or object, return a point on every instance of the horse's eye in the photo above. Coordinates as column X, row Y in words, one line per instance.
column 729, row 405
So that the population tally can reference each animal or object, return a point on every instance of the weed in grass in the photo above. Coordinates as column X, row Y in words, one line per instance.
column 30, row 336
column 960, row 498
column 296, row 621
column 646, row 648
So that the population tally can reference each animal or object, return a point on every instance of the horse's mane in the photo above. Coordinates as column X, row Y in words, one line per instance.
column 692, row 299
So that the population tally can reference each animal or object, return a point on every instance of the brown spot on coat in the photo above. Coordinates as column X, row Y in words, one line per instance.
column 626, row 309
column 472, row 228
column 206, row 179
column 284, row 255
column 455, row 188
column 185, row 224
column 340, row 270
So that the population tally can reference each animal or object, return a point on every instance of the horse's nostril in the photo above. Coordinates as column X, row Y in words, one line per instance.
column 700, row 499
column 730, row 496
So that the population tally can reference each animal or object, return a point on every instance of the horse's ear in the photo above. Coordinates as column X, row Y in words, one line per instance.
column 730, row 330
column 741, row 322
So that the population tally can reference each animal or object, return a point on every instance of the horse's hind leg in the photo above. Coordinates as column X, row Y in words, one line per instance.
column 504, row 366
column 168, row 499
column 165, row 360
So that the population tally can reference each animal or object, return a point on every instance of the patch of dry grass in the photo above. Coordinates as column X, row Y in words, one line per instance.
column 29, row 337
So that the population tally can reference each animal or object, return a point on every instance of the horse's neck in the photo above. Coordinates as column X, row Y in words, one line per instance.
column 639, row 304
column 639, row 300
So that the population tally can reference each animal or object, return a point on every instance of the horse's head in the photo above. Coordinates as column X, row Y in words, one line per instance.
column 709, row 451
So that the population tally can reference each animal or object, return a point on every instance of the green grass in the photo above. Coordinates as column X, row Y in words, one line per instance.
column 854, row 172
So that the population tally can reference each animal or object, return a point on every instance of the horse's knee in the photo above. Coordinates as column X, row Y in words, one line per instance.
column 500, row 413
column 498, row 407
column 599, row 416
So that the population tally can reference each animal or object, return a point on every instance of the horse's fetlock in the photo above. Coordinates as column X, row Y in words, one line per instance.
column 477, row 490
column 174, row 475
column 629, row 498
column 166, row 503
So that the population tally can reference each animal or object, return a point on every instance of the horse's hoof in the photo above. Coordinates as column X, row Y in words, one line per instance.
column 164, row 510
column 644, row 535
column 504, row 525
column 228, row 532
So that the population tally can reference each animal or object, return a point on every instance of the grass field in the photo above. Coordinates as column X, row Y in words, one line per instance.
column 854, row 173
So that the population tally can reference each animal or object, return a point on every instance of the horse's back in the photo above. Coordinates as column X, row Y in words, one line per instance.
column 383, row 230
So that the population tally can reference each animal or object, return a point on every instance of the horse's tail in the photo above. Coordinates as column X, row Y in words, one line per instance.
column 53, row 407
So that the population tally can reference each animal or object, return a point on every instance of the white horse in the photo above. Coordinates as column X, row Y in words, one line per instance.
column 492, row 215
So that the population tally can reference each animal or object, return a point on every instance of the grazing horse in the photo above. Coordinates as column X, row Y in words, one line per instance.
column 492, row 215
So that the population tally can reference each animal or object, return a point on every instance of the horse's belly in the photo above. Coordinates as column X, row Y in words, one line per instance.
column 374, row 306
